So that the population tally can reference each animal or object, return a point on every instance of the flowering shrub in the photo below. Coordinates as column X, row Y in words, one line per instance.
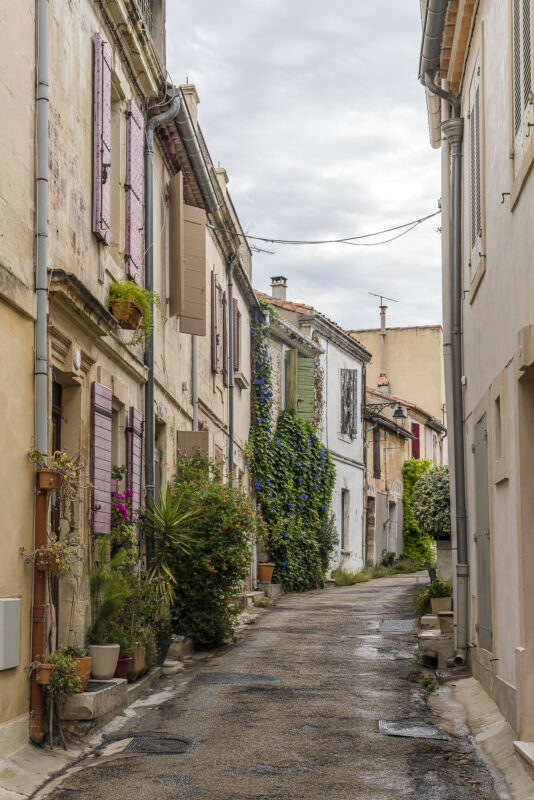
column 293, row 478
column 432, row 503
column 123, row 532
column 417, row 543
column 210, row 574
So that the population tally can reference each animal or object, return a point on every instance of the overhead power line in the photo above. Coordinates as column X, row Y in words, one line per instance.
column 407, row 227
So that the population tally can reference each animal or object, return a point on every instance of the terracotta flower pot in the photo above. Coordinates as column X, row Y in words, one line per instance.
column 43, row 673
column 441, row 604
column 265, row 572
column 43, row 563
column 83, row 670
column 126, row 313
column 105, row 657
column 122, row 667
column 48, row 479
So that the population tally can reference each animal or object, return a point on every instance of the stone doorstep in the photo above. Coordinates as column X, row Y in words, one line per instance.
column 172, row 667
column 272, row 590
column 435, row 642
column 110, row 700
column 246, row 599
column 429, row 622
column 526, row 751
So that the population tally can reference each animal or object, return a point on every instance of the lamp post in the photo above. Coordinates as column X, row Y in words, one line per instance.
column 399, row 415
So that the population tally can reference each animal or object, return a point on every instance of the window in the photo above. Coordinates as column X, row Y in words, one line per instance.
column 475, row 167
column 376, row 453
column 522, row 76
column 349, row 402
column 416, row 444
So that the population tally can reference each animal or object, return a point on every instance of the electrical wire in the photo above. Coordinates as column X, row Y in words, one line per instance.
column 346, row 240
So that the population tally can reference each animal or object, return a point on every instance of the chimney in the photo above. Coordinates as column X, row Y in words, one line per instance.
column 383, row 382
column 278, row 287
column 192, row 99
column 222, row 177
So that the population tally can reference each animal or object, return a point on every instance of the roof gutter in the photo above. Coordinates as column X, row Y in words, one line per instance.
column 189, row 137
column 433, row 25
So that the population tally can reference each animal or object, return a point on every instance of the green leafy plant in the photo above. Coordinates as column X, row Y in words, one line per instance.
column 168, row 525
column 421, row 601
column 344, row 577
column 55, row 556
column 63, row 680
column 210, row 574
column 439, row 588
column 431, row 502
column 127, row 292
column 109, row 592
column 293, row 477
column 72, row 651
column 417, row 544
column 387, row 558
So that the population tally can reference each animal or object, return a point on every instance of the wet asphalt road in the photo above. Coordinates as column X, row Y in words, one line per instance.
column 292, row 712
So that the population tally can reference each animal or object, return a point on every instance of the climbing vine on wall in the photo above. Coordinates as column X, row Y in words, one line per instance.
column 417, row 544
column 293, row 477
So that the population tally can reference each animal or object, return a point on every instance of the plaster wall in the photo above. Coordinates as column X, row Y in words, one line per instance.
column 414, row 364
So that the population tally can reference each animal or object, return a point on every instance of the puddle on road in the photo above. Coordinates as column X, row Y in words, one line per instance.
column 388, row 653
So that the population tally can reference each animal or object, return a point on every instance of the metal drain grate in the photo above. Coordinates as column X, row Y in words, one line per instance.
column 396, row 626
column 231, row 678
column 410, row 729
column 158, row 744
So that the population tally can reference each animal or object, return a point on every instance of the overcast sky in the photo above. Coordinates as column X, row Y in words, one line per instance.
column 315, row 111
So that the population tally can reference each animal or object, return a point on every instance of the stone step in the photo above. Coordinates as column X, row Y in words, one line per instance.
column 247, row 599
column 429, row 622
column 181, row 648
column 272, row 590
column 434, row 644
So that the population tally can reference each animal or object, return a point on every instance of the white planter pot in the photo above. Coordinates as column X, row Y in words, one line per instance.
column 441, row 604
column 105, row 657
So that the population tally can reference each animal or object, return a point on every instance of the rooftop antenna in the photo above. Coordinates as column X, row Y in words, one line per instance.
column 383, row 381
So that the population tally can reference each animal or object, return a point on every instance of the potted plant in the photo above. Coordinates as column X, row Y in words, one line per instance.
column 440, row 594
column 109, row 591
column 43, row 672
column 81, row 660
column 265, row 572
column 131, row 305
column 55, row 556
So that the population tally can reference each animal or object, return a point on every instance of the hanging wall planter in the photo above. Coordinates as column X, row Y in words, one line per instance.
column 48, row 480
column 126, row 313
column 43, row 674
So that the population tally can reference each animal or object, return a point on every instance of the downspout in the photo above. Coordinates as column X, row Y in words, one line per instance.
column 152, row 124
column 231, row 369
column 41, row 360
column 194, row 380
column 453, row 130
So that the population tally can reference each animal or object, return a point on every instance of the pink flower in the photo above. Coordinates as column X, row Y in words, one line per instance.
column 128, row 493
column 119, row 496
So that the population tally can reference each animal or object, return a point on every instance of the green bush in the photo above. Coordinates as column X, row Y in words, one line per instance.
column 417, row 545
column 63, row 681
column 344, row 577
column 439, row 588
column 431, row 501
column 210, row 575
column 421, row 601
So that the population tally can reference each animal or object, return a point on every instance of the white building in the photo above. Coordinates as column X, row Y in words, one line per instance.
column 333, row 402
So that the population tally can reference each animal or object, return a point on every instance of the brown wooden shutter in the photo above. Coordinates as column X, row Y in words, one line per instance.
column 101, row 415
column 225, row 339
column 236, row 333
column 376, row 453
column 134, row 441
column 193, row 317
column 134, row 191
column 101, row 139
column 416, row 448
column 214, row 332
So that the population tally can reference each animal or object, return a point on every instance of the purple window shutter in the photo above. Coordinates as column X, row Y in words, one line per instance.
column 134, row 456
column 235, row 332
column 101, row 140
column 416, row 449
column 134, row 191
column 101, row 416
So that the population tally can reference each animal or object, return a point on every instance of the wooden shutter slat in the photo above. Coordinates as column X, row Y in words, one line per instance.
column 235, row 332
column 193, row 318
column 527, row 55
column 354, row 422
column 305, row 388
column 101, row 139
column 134, row 191
column 100, row 466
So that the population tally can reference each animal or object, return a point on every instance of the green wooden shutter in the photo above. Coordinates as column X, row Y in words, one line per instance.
column 305, row 388
column 290, row 399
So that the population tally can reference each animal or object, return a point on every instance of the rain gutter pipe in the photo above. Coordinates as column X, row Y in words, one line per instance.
column 194, row 380
column 189, row 137
column 152, row 124
column 453, row 129
column 41, row 361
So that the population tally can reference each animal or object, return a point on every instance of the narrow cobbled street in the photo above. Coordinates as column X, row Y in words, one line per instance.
column 293, row 711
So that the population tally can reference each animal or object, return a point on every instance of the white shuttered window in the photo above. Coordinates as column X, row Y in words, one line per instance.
column 475, row 166
column 522, row 75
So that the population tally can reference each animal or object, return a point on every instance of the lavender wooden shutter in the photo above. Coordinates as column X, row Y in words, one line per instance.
column 225, row 339
column 214, row 331
column 134, row 191
column 135, row 449
column 101, row 457
column 235, row 332
column 101, row 139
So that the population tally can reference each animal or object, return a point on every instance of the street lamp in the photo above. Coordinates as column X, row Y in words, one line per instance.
column 399, row 415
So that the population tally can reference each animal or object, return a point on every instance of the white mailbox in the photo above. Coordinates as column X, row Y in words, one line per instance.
column 10, row 608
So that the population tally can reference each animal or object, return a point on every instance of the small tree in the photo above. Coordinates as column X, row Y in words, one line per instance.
column 417, row 544
column 432, row 503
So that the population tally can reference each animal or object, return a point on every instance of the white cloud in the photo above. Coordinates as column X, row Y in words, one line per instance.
column 316, row 113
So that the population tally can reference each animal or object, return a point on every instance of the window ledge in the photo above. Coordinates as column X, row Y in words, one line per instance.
column 241, row 380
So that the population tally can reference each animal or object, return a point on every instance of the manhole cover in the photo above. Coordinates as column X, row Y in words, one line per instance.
column 158, row 744
column 248, row 678
column 396, row 626
column 410, row 729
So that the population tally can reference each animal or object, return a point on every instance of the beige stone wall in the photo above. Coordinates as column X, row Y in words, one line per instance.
column 414, row 364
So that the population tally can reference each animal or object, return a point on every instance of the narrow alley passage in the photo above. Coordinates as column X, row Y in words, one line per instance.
column 293, row 712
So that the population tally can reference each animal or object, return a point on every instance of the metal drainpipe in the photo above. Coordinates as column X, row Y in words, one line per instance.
column 194, row 380
column 153, row 123
column 231, row 370
column 453, row 130
column 41, row 360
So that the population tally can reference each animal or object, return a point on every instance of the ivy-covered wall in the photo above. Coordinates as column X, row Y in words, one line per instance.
column 293, row 477
column 417, row 544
